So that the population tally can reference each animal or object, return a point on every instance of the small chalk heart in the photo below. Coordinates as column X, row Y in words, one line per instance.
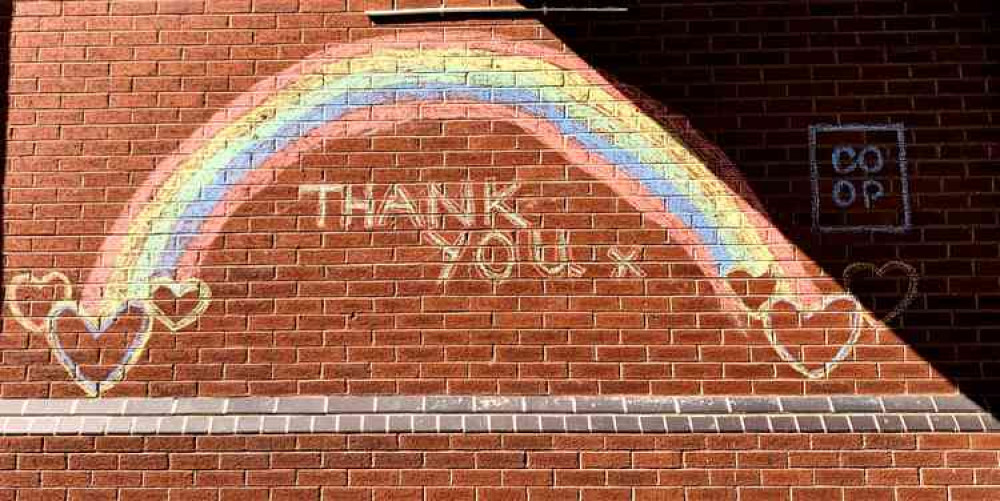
column 64, row 292
column 179, row 289
column 881, row 271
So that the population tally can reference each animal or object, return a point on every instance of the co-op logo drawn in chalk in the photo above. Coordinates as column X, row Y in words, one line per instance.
column 858, row 179
column 871, row 161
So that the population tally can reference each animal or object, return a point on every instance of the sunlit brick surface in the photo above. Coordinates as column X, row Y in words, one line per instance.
column 280, row 198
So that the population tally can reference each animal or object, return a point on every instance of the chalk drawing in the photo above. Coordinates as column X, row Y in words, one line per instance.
column 430, row 212
column 494, row 243
column 873, row 190
column 880, row 271
column 179, row 289
column 97, row 325
column 55, row 278
column 452, row 252
column 491, row 267
column 557, row 97
column 624, row 263
column 437, row 199
column 398, row 201
column 765, row 315
column 857, row 160
column 496, row 203
column 364, row 203
column 844, row 193
column 562, row 266
column 321, row 190
column 97, row 322
column 845, row 160
column 422, row 213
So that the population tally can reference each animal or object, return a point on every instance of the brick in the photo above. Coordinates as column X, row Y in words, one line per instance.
column 324, row 325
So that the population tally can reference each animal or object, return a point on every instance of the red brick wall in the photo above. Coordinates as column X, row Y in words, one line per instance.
column 516, row 467
column 102, row 95
column 754, row 75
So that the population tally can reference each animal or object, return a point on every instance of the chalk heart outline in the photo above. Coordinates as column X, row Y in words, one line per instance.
column 768, row 307
column 179, row 288
column 881, row 271
column 29, row 280
column 97, row 325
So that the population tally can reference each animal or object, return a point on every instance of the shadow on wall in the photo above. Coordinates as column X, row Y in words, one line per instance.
column 6, row 12
column 753, row 76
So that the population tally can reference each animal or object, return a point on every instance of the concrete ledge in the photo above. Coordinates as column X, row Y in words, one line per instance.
column 447, row 414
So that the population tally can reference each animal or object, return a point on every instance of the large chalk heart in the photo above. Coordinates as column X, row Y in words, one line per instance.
column 179, row 289
column 770, row 308
column 881, row 271
column 63, row 292
column 753, row 291
column 97, row 326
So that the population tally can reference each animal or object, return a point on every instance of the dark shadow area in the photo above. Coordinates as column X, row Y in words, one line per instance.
column 455, row 16
column 754, row 75
column 6, row 13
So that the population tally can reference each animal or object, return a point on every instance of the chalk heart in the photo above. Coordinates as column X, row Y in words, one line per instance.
column 753, row 291
column 96, row 326
column 769, row 307
column 179, row 289
column 880, row 271
column 63, row 292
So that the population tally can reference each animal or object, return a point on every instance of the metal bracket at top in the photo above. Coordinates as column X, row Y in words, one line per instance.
column 443, row 10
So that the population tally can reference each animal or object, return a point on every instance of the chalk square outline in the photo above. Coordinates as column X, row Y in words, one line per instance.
column 900, row 130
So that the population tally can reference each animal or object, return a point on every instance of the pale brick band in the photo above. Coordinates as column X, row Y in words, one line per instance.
column 450, row 414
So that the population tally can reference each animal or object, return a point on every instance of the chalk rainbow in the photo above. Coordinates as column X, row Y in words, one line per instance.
column 591, row 114
column 557, row 95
